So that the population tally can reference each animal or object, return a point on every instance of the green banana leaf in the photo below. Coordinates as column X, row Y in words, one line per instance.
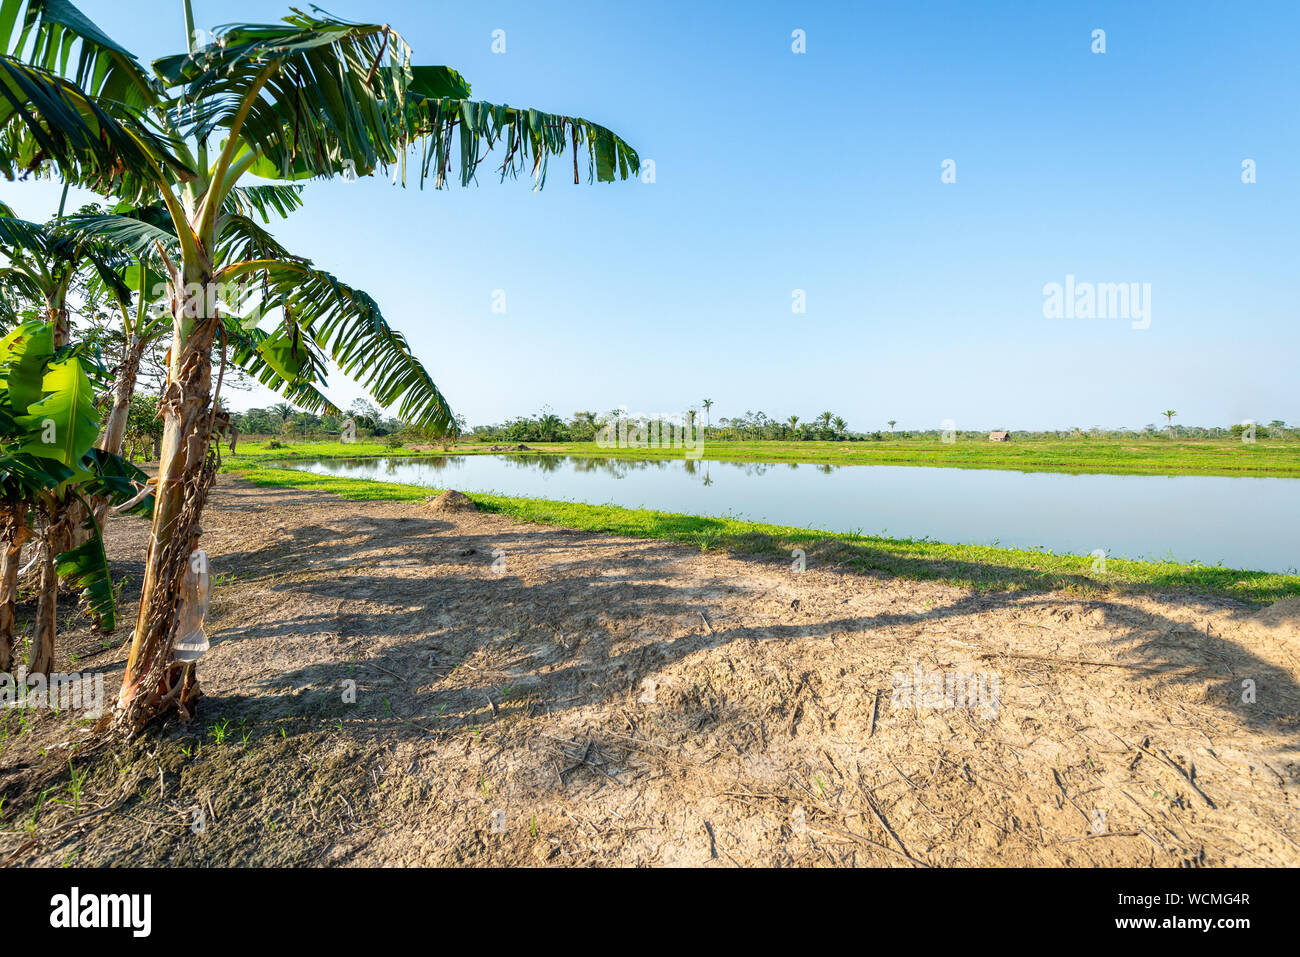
column 284, row 353
column 63, row 425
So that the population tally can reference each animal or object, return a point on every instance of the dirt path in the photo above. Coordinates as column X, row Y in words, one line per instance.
column 526, row 694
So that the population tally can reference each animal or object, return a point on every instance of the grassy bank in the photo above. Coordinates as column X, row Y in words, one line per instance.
column 975, row 566
column 1225, row 457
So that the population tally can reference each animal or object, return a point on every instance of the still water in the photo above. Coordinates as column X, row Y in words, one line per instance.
column 1237, row 522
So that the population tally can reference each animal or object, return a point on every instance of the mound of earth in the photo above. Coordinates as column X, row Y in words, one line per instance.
column 1280, row 619
column 451, row 501
column 510, row 448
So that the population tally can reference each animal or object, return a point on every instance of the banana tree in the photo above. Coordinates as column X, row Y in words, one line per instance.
column 48, row 428
column 310, row 97
column 41, row 264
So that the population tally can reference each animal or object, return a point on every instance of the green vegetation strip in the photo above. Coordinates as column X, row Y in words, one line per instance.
column 981, row 567
column 1279, row 458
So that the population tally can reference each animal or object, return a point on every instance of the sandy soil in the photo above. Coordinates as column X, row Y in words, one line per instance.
column 394, row 684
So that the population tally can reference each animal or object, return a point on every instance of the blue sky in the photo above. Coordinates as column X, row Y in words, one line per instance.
column 821, row 171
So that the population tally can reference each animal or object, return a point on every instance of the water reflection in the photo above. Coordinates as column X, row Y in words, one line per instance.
column 1188, row 518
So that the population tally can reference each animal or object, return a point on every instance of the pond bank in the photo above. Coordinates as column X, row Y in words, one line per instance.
column 974, row 566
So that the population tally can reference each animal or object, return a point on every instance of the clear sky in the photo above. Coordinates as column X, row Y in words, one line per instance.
column 821, row 171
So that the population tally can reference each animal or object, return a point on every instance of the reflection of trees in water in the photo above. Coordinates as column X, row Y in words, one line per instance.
column 387, row 466
column 618, row 468
column 543, row 463
column 437, row 462
column 694, row 466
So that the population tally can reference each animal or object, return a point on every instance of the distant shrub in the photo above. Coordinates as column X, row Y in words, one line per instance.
column 275, row 444
column 393, row 441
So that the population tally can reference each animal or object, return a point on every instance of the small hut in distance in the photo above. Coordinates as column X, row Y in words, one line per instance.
column 999, row 436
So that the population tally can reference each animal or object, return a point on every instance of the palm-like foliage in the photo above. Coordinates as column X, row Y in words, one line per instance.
column 44, row 119
column 42, row 262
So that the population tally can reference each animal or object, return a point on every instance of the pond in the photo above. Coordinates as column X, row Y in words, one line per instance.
column 1250, row 523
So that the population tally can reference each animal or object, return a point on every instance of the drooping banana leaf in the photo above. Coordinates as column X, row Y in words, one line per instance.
column 86, row 567
column 117, row 480
column 347, row 325
column 52, row 29
column 23, row 477
column 456, row 134
column 140, row 237
column 264, row 200
column 284, row 352
column 46, row 119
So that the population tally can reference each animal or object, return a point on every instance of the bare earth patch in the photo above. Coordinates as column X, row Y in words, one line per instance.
column 528, row 695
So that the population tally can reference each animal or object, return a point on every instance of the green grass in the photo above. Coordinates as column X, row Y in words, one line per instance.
column 981, row 567
column 1278, row 458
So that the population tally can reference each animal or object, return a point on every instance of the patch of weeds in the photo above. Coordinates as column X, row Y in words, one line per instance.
column 36, row 810
column 76, row 784
column 219, row 731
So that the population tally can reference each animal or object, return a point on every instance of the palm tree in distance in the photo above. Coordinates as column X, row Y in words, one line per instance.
column 707, row 404
column 1169, row 418
column 892, row 423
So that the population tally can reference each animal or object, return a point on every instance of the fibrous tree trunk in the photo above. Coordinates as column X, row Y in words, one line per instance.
column 154, row 682
column 56, row 540
column 115, row 426
column 123, row 390
column 13, row 532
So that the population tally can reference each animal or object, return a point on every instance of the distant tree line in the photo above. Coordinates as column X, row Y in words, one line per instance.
column 283, row 421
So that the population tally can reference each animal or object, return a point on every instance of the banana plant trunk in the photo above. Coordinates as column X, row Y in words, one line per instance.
column 56, row 538
column 13, row 532
column 154, row 682
column 115, row 426
column 123, row 390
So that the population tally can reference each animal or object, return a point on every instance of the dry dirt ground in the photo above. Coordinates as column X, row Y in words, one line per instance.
column 390, row 684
